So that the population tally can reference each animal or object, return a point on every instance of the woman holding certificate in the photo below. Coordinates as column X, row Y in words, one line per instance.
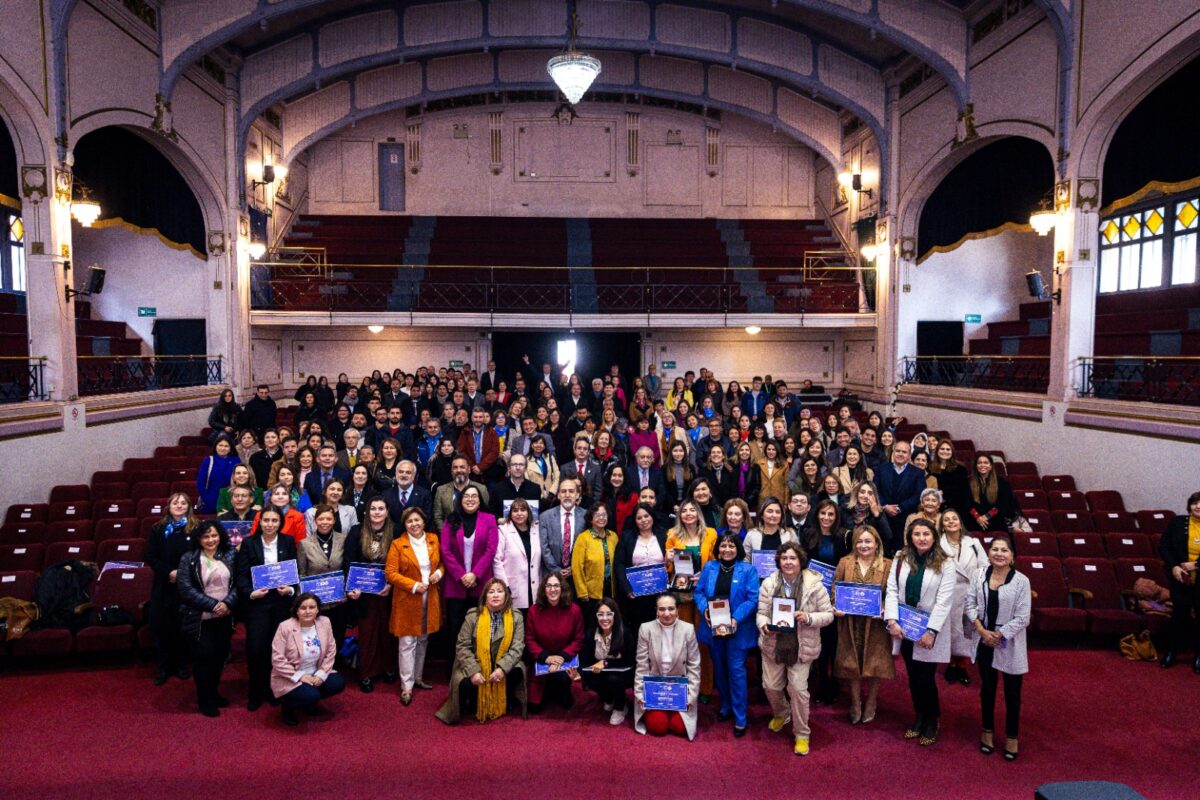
column 302, row 655
column 965, row 553
column 487, row 670
column 646, row 546
column 864, row 651
column 320, row 553
column 727, row 598
column 920, row 594
column 606, row 660
column 768, row 536
column 263, row 609
column 690, row 545
column 998, row 605
column 414, row 569
column 553, row 636
column 666, row 649
column 792, row 608
column 828, row 541
column 369, row 544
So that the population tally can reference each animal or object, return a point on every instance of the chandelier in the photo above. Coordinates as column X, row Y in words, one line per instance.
column 84, row 207
column 573, row 71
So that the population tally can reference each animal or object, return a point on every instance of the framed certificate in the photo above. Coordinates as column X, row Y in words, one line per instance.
column 665, row 693
column 858, row 599
column 783, row 613
column 683, row 563
column 648, row 580
column 329, row 587
column 825, row 571
column 272, row 576
column 544, row 669
column 913, row 621
column 720, row 617
column 366, row 578
column 764, row 562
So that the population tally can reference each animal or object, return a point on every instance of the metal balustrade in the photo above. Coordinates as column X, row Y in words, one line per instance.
column 1009, row 373
column 115, row 374
column 22, row 379
column 1154, row 379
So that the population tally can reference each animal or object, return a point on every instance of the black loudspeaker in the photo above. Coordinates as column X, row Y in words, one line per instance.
column 1037, row 286
column 95, row 280
column 939, row 338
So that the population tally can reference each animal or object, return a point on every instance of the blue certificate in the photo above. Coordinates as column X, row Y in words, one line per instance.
column 366, row 578
column 238, row 530
column 647, row 580
column 665, row 693
column 913, row 621
column 825, row 571
column 329, row 587
column 544, row 669
column 764, row 562
column 272, row 576
column 858, row 599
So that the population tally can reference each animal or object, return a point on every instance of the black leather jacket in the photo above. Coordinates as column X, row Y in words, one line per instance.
column 193, row 602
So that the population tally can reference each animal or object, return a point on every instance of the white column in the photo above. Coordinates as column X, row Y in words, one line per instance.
column 235, row 262
column 1073, row 320
column 51, row 314
column 886, row 267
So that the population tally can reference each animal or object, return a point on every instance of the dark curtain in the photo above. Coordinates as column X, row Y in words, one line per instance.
column 1157, row 141
column 1001, row 182
column 8, row 164
column 134, row 181
column 596, row 352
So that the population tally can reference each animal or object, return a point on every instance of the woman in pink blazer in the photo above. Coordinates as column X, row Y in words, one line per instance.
column 302, row 656
column 518, row 554
column 469, row 540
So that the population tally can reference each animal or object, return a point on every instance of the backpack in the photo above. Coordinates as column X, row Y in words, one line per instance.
column 60, row 591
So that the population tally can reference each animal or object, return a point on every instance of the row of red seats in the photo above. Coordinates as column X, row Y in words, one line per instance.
column 1074, row 595
column 128, row 588
column 76, row 510
column 1150, row 521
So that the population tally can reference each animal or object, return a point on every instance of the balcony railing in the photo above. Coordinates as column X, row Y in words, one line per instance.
column 116, row 374
column 1154, row 379
column 22, row 379
column 1009, row 373
column 288, row 286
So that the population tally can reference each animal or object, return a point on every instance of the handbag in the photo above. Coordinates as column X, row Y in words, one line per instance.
column 1138, row 647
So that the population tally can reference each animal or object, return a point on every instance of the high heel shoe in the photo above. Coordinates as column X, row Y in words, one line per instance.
column 929, row 734
column 986, row 747
column 855, row 713
column 869, row 711
column 405, row 698
column 914, row 730
column 1010, row 749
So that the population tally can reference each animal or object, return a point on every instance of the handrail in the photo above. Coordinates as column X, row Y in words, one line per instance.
column 968, row 358
column 1142, row 357
column 24, row 358
column 156, row 355
column 435, row 267
column 833, row 226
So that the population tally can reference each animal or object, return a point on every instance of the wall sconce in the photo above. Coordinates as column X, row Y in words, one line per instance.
column 1044, row 218
column 871, row 251
column 267, row 177
column 855, row 181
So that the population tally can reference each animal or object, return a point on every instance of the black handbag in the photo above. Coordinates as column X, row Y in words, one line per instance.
column 113, row 615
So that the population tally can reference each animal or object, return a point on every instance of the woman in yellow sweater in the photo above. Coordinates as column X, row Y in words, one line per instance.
column 693, row 538
column 592, row 561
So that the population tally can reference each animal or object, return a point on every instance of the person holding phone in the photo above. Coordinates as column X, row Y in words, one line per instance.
column 922, row 579
column 732, row 583
column 790, row 647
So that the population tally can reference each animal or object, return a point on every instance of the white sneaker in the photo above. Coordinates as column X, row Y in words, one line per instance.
column 608, row 706
column 617, row 717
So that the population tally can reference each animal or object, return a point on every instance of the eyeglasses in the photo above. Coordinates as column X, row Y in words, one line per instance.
column 604, row 614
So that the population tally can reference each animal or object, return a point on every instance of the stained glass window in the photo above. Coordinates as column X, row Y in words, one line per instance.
column 12, row 254
column 1135, row 246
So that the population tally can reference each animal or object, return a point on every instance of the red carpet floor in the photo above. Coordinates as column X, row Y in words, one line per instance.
column 105, row 731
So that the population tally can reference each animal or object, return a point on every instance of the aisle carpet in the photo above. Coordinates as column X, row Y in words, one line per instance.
column 103, row 731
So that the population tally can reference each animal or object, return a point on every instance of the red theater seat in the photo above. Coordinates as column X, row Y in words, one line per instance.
column 1058, row 483
column 81, row 530
column 21, row 557
column 130, row 590
column 113, row 508
column 1051, row 603
column 116, row 528
column 1025, row 481
column 1072, row 521
column 1094, row 582
column 1128, row 545
column 18, row 584
column 1036, row 544
column 1031, row 498
column 1154, row 520
column 27, row 512
column 104, row 492
column 150, row 489
column 120, row 550
column 70, row 511
column 1082, row 545
column 1105, row 501
column 74, row 491
column 1107, row 521
column 1067, row 501
column 23, row 533
column 68, row 551
column 1021, row 468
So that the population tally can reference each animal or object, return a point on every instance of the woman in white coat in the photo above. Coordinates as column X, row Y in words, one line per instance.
column 518, row 559
column 921, row 577
column 998, row 606
column 965, row 553
column 666, row 646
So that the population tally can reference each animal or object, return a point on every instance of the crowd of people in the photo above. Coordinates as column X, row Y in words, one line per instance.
column 522, row 520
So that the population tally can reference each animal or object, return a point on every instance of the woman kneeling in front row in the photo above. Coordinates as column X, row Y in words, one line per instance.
column 666, row 647
column 487, row 670
column 787, row 654
column 302, row 655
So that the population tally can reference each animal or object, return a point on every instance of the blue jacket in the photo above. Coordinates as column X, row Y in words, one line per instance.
column 743, row 598
column 903, row 489
column 213, row 476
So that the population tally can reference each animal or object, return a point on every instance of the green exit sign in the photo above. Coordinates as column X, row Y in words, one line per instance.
column 456, row 365
column 973, row 318
column 668, row 365
column 147, row 311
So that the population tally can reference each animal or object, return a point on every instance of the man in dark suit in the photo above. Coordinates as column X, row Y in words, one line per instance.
column 644, row 474
column 513, row 486
column 573, row 401
column 754, row 400
column 406, row 493
column 586, row 469
column 562, row 524
column 325, row 470
column 480, row 444
column 900, row 485
column 263, row 613
column 473, row 397
column 259, row 412
column 490, row 379
column 396, row 397
column 396, row 428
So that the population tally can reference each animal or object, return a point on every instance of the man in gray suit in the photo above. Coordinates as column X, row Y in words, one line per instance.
column 519, row 442
column 555, row 533
column 446, row 495
column 585, row 469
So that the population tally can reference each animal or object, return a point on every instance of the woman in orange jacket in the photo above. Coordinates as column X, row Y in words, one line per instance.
column 414, row 570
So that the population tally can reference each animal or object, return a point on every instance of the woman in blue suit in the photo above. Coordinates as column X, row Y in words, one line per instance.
column 729, row 578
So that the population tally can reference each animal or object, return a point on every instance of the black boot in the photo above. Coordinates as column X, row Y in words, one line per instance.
column 1168, row 660
column 289, row 716
column 1196, row 662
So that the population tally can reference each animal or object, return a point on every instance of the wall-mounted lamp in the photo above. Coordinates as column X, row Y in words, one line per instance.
column 1044, row 218
column 84, row 207
column 267, row 177
column 871, row 251
column 855, row 181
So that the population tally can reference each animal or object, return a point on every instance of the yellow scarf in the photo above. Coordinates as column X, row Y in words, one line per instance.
column 493, row 697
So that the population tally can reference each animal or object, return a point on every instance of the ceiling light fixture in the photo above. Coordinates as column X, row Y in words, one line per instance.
column 573, row 71
column 375, row 328
column 1044, row 218
column 84, row 207
column 753, row 330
